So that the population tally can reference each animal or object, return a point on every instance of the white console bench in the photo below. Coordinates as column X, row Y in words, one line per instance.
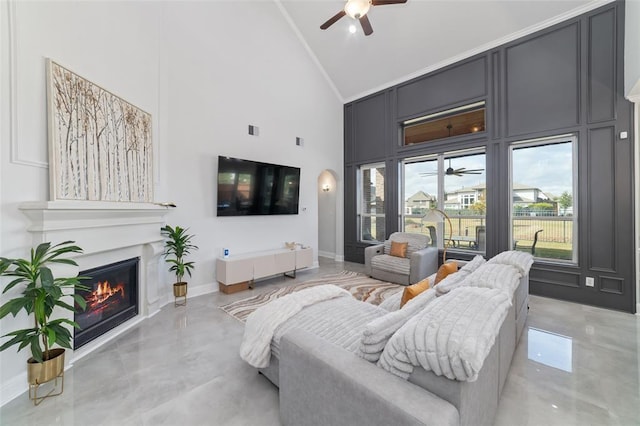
column 238, row 272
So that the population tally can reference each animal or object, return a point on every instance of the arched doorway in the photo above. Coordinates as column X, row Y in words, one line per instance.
column 327, row 217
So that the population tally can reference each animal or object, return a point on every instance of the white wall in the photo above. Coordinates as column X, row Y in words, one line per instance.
column 242, row 66
column 632, row 48
column 204, row 70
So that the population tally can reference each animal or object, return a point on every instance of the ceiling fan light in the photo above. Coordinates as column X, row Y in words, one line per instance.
column 356, row 9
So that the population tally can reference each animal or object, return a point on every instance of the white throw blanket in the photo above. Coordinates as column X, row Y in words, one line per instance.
column 451, row 337
column 262, row 323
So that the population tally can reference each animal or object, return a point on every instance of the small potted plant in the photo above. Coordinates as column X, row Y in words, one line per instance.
column 176, row 247
column 41, row 294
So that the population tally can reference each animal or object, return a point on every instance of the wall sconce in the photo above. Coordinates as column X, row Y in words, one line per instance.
column 326, row 187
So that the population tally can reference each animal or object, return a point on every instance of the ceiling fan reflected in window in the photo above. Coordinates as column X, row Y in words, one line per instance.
column 357, row 9
column 455, row 172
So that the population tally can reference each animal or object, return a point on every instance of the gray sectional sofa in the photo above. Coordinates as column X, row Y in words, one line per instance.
column 323, row 380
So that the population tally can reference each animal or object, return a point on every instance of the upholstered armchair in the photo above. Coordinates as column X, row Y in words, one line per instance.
column 420, row 259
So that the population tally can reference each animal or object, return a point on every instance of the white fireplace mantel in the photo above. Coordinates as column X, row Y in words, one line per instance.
column 95, row 226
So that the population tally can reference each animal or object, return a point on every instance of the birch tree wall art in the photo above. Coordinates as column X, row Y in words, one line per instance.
column 100, row 145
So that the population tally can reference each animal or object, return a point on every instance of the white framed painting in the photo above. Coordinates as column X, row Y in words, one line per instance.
column 100, row 146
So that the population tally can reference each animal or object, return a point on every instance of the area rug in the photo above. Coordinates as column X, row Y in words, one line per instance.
column 360, row 286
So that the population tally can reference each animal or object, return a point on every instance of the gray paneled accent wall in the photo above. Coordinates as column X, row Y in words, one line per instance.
column 542, row 82
column 566, row 79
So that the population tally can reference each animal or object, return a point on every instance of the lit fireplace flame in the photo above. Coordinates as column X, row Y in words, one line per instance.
column 103, row 292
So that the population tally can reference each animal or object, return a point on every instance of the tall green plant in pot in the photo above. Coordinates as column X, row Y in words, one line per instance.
column 176, row 247
column 41, row 295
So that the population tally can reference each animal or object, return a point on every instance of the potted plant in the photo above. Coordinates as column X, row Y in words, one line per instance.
column 176, row 248
column 41, row 294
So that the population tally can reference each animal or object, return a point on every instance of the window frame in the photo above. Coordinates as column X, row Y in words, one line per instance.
column 441, row 158
column 551, row 140
column 359, row 207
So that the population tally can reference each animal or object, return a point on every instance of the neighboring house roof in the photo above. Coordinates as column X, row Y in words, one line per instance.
column 421, row 196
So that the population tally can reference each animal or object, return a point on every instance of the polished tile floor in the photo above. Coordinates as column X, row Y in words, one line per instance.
column 575, row 365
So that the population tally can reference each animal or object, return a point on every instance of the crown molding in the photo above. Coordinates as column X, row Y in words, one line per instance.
column 306, row 46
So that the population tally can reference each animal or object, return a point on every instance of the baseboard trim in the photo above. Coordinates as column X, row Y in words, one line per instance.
column 332, row 256
column 13, row 388
column 322, row 253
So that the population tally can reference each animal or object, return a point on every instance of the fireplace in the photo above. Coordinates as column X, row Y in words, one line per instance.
column 112, row 299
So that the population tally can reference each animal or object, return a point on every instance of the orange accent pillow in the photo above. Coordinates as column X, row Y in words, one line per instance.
column 445, row 270
column 413, row 290
column 398, row 249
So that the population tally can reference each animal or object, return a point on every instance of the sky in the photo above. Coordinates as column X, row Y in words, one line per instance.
column 548, row 167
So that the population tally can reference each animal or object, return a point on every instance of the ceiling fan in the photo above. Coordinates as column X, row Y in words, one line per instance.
column 455, row 172
column 357, row 9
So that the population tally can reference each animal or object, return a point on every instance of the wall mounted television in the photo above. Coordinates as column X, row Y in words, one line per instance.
column 247, row 188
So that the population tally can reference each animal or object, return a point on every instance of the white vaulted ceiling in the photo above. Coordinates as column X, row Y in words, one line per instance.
column 416, row 37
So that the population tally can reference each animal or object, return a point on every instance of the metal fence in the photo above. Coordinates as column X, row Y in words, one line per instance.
column 556, row 229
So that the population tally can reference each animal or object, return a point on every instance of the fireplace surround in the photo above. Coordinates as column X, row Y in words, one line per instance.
column 108, row 233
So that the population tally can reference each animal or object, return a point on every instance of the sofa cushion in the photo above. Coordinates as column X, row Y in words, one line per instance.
column 377, row 332
column 518, row 259
column 454, row 280
column 392, row 303
column 445, row 270
column 389, row 263
column 473, row 264
column 413, row 290
column 339, row 321
column 398, row 249
column 451, row 336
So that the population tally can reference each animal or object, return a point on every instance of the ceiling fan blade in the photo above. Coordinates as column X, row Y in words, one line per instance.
column 384, row 2
column 428, row 174
column 332, row 20
column 474, row 170
column 366, row 25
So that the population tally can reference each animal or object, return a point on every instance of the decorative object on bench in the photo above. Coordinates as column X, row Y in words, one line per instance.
column 176, row 247
column 291, row 245
column 437, row 215
column 360, row 286
column 420, row 259
column 41, row 294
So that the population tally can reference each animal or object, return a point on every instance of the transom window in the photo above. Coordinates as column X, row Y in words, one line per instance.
column 445, row 124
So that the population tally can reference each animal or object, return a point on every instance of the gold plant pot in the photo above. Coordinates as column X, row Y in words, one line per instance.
column 180, row 290
column 43, row 372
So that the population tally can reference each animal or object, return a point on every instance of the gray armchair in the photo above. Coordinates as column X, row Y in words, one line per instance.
column 421, row 260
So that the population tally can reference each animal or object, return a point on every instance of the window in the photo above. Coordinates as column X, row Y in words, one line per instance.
column 454, row 182
column 445, row 124
column 371, row 202
column 544, row 208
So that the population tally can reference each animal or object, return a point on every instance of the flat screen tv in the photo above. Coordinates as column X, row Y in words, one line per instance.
column 247, row 188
